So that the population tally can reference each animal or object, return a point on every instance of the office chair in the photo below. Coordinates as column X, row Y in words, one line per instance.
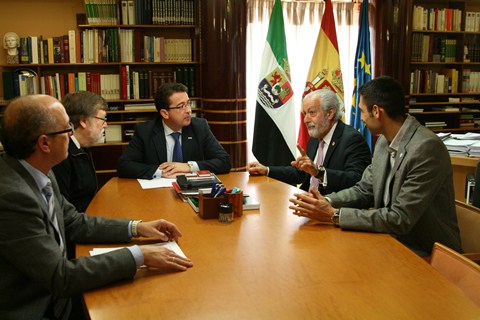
column 468, row 219
column 461, row 271
column 476, row 189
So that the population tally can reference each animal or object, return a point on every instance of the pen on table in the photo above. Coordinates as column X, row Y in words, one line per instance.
column 220, row 192
column 215, row 188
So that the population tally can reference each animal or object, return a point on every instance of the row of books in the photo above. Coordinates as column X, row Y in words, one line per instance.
column 158, row 12
column 101, row 12
column 143, row 84
column 19, row 83
column 25, row 82
column 472, row 52
column 127, row 85
column 433, row 48
column 471, row 81
column 436, row 19
column 435, row 124
column 104, row 45
column 138, row 47
column 472, row 21
column 58, row 49
column 432, row 81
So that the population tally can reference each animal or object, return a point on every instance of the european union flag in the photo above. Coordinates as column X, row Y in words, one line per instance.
column 363, row 73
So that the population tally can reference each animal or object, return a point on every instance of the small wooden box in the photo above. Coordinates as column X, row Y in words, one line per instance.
column 236, row 200
column 208, row 206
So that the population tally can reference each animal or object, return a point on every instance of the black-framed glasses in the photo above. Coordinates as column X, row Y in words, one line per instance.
column 182, row 106
column 70, row 130
column 100, row 118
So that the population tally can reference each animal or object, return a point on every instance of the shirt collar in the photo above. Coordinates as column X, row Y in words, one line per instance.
column 329, row 135
column 395, row 144
column 75, row 141
column 167, row 130
column 40, row 179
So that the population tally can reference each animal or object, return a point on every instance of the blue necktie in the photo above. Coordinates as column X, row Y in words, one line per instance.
column 177, row 149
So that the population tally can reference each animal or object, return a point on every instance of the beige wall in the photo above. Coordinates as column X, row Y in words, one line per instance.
column 37, row 17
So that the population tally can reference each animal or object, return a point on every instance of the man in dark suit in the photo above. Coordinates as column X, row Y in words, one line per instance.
column 342, row 159
column 153, row 149
column 38, row 280
column 407, row 191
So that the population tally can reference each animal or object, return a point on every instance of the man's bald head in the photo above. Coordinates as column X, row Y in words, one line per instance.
column 24, row 120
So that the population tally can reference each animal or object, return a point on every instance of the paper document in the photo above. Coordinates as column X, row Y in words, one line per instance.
column 156, row 183
column 172, row 245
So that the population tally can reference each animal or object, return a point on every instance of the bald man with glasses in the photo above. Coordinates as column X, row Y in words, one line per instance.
column 174, row 142
column 38, row 279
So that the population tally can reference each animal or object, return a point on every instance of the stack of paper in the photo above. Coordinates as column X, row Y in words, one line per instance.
column 172, row 245
column 458, row 147
column 474, row 150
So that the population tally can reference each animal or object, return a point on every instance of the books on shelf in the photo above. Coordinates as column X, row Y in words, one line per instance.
column 113, row 133
column 436, row 19
column 435, row 124
column 434, row 81
column 101, row 12
column 21, row 82
column 415, row 110
column 446, row 109
column 140, row 106
column 472, row 21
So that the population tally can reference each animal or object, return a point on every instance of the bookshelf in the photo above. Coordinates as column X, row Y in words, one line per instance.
column 444, row 64
column 121, row 56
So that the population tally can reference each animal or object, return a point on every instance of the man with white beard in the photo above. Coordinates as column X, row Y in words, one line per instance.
column 336, row 155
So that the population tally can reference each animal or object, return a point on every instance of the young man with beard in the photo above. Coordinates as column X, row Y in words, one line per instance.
column 174, row 142
column 336, row 156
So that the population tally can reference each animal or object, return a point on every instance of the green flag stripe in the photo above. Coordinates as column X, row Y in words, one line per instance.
column 276, row 34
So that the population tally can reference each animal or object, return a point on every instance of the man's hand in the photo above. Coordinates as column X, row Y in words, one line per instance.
column 257, row 169
column 312, row 205
column 304, row 163
column 161, row 229
column 163, row 258
column 173, row 169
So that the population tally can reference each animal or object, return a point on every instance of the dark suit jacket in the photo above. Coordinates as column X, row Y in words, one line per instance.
column 422, row 209
column 347, row 157
column 148, row 149
column 36, row 280
column 76, row 177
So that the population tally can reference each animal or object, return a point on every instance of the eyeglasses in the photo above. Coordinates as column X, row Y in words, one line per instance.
column 182, row 106
column 70, row 130
column 100, row 118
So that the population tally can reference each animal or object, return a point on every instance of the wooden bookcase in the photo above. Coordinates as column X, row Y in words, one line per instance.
column 444, row 83
column 58, row 17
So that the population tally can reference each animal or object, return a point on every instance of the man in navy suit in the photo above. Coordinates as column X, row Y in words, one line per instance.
column 152, row 151
column 342, row 158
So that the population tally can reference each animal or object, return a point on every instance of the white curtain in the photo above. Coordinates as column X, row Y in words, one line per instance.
column 302, row 25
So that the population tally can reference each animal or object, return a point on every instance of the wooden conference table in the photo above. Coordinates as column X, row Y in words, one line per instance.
column 269, row 264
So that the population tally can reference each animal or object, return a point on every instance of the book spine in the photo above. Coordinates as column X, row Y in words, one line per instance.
column 72, row 47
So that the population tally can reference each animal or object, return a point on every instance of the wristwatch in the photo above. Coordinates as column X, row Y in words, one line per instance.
column 336, row 218
column 321, row 172
column 190, row 164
